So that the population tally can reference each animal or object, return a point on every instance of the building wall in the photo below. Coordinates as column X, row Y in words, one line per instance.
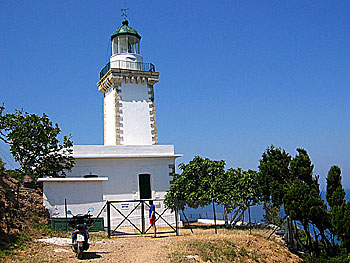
column 80, row 196
column 123, row 184
column 110, row 116
column 135, row 105
column 118, row 59
column 123, row 174
column 129, row 113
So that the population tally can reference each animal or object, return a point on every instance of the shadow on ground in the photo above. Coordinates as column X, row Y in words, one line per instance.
column 93, row 255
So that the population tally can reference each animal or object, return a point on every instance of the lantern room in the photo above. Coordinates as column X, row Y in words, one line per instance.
column 125, row 40
column 126, row 48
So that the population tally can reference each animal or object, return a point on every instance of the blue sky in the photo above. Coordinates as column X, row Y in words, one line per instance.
column 235, row 76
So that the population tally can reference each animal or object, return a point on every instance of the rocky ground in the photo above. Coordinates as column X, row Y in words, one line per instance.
column 22, row 213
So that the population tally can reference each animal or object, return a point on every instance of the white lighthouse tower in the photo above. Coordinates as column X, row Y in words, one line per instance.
column 131, row 165
column 127, row 83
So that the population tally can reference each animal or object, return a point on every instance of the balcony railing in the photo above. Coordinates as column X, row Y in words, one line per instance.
column 121, row 64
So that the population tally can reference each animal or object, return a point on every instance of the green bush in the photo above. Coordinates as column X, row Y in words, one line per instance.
column 342, row 258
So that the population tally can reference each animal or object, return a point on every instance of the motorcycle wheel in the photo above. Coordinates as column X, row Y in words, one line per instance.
column 80, row 252
column 74, row 246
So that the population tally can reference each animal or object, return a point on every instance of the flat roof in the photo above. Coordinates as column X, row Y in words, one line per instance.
column 124, row 151
column 73, row 179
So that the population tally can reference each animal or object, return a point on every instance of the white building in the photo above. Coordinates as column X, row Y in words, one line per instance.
column 130, row 165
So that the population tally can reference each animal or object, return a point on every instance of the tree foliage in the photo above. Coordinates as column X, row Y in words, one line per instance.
column 274, row 173
column 238, row 189
column 340, row 209
column 282, row 181
column 290, row 182
column 203, row 180
column 197, row 184
column 34, row 144
column 335, row 193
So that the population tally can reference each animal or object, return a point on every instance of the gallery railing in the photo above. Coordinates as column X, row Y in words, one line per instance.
column 122, row 64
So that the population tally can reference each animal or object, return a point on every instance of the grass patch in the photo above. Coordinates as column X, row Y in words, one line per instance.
column 208, row 251
column 20, row 242
column 243, row 252
column 217, row 250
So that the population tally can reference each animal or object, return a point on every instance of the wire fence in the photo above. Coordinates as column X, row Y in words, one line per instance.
column 246, row 218
column 256, row 214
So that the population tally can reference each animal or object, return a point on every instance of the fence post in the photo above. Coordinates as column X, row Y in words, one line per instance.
column 65, row 211
column 109, row 218
column 250, row 224
column 176, row 218
column 143, row 216
column 216, row 231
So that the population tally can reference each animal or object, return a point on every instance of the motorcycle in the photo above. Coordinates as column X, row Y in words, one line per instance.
column 80, row 235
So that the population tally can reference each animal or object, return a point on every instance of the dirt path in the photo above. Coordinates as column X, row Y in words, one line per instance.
column 117, row 249
column 134, row 249
column 139, row 249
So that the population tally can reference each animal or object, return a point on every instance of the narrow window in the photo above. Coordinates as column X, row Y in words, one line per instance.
column 145, row 186
column 123, row 44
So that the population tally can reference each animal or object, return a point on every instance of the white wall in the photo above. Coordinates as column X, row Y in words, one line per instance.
column 136, row 114
column 123, row 174
column 110, row 116
column 122, row 165
column 134, row 107
column 80, row 197
column 116, row 61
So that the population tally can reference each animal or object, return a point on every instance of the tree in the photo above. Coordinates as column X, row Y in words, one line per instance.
column 238, row 189
column 198, row 183
column 341, row 224
column 335, row 193
column 274, row 173
column 290, row 182
column 34, row 145
column 340, row 209
column 203, row 180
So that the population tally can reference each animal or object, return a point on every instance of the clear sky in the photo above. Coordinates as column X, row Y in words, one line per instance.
column 235, row 76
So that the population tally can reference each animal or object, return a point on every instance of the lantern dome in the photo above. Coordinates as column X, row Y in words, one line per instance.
column 125, row 29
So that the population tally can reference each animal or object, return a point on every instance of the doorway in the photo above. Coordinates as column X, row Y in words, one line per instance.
column 145, row 186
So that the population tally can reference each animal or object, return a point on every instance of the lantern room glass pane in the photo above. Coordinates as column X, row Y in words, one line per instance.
column 133, row 44
column 126, row 44
column 115, row 46
column 122, row 44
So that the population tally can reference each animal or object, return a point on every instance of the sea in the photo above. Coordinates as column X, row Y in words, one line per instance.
column 256, row 212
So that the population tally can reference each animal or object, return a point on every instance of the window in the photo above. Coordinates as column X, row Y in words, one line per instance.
column 133, row 45
column 145, row 186
column 126, row 44
column 115, row 46
column 122, row 44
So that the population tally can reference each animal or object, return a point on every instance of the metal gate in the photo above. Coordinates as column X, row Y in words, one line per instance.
column 135, row 216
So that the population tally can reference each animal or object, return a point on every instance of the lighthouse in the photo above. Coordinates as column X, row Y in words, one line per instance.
column 131, row 166
column 128, row 87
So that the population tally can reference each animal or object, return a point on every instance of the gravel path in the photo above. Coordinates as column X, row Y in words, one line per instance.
column 134, row 249
column 117, row 249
